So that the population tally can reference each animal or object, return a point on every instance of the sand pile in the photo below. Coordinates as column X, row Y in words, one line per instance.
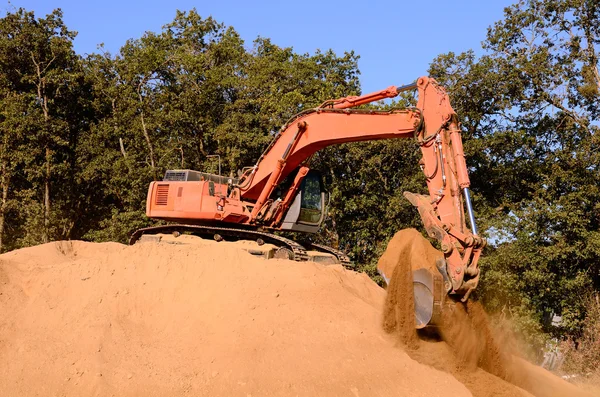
column 83, row 319
column 465, row 345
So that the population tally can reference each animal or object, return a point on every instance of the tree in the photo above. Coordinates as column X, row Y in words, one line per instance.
column 530, row 120
column 41, row 77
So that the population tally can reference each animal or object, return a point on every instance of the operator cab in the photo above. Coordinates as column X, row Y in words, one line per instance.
column 307, row 211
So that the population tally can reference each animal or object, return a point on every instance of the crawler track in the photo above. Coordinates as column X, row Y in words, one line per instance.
column 341, row 256
column 298, row 250
column 209, row 231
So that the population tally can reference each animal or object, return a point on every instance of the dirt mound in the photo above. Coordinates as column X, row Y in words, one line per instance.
column 469, row 348
column 83, row 319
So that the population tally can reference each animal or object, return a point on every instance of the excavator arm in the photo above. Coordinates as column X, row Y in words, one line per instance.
column 433, row 123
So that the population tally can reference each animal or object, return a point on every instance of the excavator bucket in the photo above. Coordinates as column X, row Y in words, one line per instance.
column 428, row 297
column 412, row 269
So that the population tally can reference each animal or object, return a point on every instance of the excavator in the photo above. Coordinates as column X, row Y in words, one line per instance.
column 281, row 193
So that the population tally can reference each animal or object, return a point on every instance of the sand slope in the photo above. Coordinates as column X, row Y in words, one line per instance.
column 156, row 319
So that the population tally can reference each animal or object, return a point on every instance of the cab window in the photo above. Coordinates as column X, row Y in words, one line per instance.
column 311, row 205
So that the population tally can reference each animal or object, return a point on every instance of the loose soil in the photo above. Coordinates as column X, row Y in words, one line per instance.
column 464, row 344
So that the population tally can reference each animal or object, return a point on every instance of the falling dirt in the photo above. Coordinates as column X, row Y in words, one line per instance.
column 464, row 344
column 83, row 319
column 398, row 312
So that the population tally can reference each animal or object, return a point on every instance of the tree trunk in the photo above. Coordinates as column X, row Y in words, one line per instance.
column 146, row 135
column 5, row 182
column 150, row 148
column 43, row 97
column 47, row 197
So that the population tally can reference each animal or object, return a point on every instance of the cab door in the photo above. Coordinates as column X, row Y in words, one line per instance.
column 308, row 208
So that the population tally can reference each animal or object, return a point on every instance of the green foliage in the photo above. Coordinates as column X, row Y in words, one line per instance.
column 366, row 185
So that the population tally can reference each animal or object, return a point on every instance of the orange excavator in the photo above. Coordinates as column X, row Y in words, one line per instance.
column 281, row 193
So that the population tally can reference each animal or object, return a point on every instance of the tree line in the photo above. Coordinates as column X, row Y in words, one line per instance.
column 82, row 136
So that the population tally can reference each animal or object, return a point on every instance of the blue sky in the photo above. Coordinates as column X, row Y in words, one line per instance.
column 395, row 39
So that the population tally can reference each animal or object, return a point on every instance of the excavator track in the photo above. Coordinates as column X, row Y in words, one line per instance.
column 341, row 256
column 298, row 251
